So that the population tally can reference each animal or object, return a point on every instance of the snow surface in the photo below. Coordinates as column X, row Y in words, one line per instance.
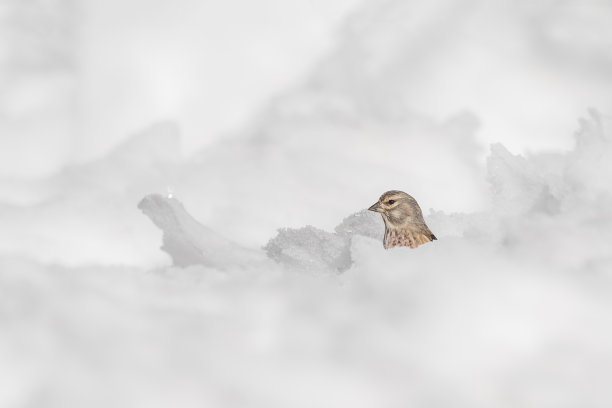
column 510, row 307
column 268, row 286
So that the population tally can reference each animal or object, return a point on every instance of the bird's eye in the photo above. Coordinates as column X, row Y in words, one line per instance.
column 390, row 202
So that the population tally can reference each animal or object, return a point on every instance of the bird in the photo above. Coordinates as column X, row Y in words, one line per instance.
column 404, row 223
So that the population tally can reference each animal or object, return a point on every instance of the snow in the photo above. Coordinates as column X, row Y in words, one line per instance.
column 250, row 273
column 508, row 307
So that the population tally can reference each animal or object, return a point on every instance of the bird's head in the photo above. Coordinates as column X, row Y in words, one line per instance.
column 398, row 208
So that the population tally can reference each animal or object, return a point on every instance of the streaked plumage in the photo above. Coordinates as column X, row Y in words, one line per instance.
column 404, row 223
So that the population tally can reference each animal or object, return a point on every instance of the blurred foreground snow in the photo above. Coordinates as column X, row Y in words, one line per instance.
column 509, row 308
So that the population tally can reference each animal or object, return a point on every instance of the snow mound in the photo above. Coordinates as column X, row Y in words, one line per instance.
column 187, row 241
column 364, row 223
column 313, row 249
column 537, row 200
column 310, row 248
column 552, row 183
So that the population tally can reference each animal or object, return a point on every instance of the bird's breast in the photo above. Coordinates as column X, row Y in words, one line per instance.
column 394, row 238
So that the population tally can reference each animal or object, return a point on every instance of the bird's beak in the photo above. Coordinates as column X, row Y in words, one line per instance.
column 376, row 207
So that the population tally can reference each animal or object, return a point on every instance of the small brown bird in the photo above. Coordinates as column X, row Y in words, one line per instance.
column 404, row 223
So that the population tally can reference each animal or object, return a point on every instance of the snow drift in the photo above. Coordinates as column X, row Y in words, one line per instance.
column 536, row 201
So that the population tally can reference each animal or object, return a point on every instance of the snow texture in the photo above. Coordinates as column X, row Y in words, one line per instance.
column 510, row 307
column 187, row 241
column 529, row 194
